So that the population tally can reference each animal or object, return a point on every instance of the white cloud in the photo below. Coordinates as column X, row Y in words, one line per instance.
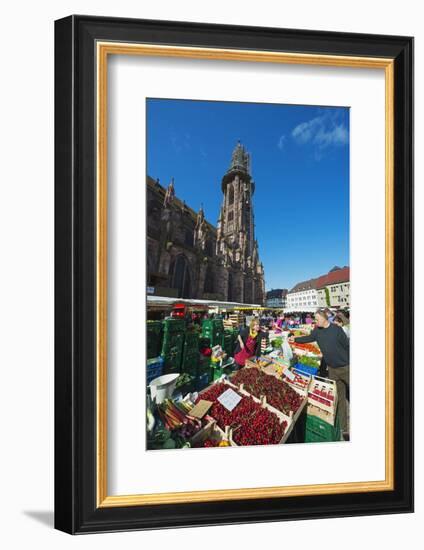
column 281, row 142
column 180, row 142
column 322, row 131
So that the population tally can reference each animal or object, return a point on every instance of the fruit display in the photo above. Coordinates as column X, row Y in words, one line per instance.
column 209, row 442
column 259, row 362
column 251, row 423
column 278, row 394
column 263, row 428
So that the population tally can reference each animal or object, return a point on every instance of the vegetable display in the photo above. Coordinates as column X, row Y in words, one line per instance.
column 309, row 361
column 278, row 394
column 165, row 439
column 174, row 415
column 312, row 348
column 184, row 379
column 276, row 343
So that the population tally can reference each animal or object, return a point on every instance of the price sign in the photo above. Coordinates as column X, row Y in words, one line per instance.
column 289, row 374
column 201, row 408
column 229, row 399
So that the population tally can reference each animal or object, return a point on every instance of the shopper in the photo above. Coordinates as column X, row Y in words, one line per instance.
column 342, row 321
column 334, row 345
column 330, row 314
column 248, row 343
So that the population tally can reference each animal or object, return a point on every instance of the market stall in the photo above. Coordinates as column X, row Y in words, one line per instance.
column 196, row 397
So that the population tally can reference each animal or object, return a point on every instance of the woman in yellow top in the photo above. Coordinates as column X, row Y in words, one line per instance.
column 248, row 343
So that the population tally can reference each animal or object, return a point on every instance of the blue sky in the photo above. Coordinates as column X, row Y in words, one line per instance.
column 300, row 164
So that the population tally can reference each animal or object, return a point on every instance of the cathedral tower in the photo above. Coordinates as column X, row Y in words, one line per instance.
column 237, row 215
column 236, row 231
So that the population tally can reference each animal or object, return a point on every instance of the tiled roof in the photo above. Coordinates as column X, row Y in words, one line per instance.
column 333, row 277
column 304, row 285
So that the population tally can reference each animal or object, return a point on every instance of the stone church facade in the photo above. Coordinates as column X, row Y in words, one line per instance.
column 187, row 257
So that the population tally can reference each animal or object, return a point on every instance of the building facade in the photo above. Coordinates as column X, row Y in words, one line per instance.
column 187, row 257
column 334, row 288
column 303, row 297
column 276, row 298
column 330, row 290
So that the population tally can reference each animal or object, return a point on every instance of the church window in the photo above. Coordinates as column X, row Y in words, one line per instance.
column 231, row 196
column 230, row 216
column 230, row 287
column 179, row 276
column 209, row 248
column 209, row 286
column 188, row 237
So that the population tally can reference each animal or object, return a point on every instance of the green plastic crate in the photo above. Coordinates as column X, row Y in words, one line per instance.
column 191, row 341
column 172, row 340
column 154, row 326
column 172, row 360
column 174, row 325
column 216, row 371
column 318, row 431
column 213, row 324
column 190, row 364
column 215, row 336
column 154, row 338
column 204, row 364
column 228, row 344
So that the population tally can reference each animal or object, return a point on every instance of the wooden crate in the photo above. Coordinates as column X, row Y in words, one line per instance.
column 302, row 382
column 210, row 431
column 319, row 405
column 262, row 401
column 325, row 416
column 290, row 419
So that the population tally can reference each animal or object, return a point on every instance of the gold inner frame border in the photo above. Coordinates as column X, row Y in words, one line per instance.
column 103, row 50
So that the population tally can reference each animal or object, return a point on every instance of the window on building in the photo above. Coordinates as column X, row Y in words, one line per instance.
column 231, row 196
column 188, row 237
column 209, row 248
column 209, row 281
column 230, row 216
column 179, row 276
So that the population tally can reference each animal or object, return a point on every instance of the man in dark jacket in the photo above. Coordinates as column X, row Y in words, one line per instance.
column 334, row 345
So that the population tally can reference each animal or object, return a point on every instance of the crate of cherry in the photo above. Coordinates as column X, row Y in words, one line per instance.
column 211, row 435
column 322, row 399
column 251, row 421
column 277, row 393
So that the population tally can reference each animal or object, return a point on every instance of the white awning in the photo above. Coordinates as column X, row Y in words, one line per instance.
column 170, row 302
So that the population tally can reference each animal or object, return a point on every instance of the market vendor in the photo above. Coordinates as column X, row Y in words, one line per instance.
column 334, row 345
column 248, row 343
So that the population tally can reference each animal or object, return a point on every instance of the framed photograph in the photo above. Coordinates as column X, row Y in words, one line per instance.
column 234, row 274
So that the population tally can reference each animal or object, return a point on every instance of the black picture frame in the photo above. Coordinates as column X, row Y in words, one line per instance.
column 76, row 509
